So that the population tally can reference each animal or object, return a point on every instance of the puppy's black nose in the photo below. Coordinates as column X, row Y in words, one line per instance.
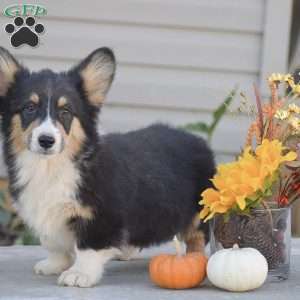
column 46, row 141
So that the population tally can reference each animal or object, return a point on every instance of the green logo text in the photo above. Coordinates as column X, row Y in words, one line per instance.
column 24, row 10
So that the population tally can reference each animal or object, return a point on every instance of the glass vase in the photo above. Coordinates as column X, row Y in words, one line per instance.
column 267, row 230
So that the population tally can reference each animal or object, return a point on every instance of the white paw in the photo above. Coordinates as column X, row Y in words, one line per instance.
column 76, row 278
column 51, row 267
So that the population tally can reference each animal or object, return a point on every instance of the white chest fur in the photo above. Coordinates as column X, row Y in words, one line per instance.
column 50, row 186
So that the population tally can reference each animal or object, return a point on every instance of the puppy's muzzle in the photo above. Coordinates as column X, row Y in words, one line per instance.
column 46, row 142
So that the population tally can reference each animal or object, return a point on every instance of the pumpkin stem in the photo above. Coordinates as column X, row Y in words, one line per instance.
column 178, row 247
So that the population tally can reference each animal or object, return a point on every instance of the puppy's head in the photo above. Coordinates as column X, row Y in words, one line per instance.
column 48, row 113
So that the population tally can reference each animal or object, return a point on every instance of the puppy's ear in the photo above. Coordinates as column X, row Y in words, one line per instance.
column 8, row 69
column 96, row 73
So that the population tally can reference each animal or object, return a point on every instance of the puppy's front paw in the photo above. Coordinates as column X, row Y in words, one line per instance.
column 76, row 278
column 52, row 266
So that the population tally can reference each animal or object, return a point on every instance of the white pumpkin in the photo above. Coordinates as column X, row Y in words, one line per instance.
column 237, row 269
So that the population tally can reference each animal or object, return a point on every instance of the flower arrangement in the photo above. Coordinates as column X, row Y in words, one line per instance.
column 265, row 176
column 271, row 145
column 243, row 184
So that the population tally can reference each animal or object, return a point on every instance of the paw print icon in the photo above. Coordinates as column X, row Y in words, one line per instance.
column 24, row 31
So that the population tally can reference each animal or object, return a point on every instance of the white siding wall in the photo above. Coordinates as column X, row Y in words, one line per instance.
column 177, row 59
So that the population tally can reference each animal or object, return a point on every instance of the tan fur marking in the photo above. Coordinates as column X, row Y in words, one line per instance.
column 62, row 101
column 72, row 210
column 193, row 237
column 8, row 70
column 96, row 79
column 18, row 135
column 74, row 139
column 91, row 86
column 34, row 97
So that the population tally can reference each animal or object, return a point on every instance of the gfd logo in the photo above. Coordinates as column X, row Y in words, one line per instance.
column 24, row 30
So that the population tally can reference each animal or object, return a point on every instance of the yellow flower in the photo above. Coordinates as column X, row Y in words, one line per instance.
column 236, row 182
column 294, row 108
column 282, row 114
column 205, row 211
column 288, row 78
column 212, row 203
column 296, row 89
column 275, row 78
column 209, row 196
column 269, row 153
column 295, row 123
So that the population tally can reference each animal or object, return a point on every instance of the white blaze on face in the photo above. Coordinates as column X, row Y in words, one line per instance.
column 46, row 128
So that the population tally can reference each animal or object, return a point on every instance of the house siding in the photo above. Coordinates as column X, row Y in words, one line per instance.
column 177, row 60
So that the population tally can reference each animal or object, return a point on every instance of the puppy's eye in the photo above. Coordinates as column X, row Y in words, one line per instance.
column 30, row 108
column 64, row 112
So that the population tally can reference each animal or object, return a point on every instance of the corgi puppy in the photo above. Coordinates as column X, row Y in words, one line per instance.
column 91, row 198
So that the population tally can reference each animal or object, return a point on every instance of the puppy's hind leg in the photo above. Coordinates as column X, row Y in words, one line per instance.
column 194, row 237
column 127, row 253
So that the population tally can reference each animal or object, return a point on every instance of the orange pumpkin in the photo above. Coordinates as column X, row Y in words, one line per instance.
column 178, row 271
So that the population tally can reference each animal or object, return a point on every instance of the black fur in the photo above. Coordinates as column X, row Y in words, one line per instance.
column 143, row 187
